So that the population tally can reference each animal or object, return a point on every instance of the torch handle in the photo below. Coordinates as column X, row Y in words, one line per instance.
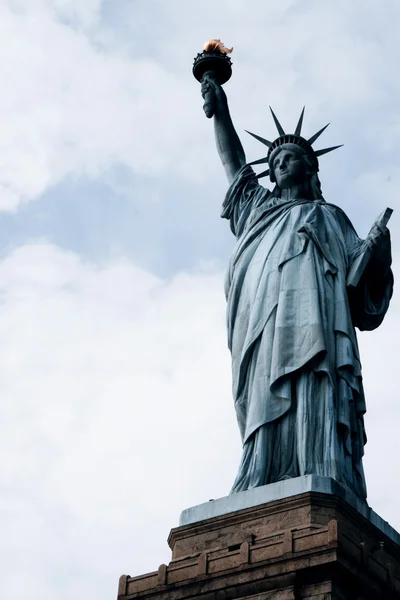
column 209, row 96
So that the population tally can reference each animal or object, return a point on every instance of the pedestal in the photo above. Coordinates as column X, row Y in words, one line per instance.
column 317, row 542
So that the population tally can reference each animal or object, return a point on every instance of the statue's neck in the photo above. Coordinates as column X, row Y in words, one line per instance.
column 296, row 192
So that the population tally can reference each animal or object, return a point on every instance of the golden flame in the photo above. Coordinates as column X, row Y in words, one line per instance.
column 216, row 45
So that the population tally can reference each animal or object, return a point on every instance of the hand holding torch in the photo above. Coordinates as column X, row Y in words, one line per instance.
column 213, row 63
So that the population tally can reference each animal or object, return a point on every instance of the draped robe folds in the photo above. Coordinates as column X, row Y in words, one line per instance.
column 296, row 371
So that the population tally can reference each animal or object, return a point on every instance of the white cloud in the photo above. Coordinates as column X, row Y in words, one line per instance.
column 115, row 384
column 70, row 106
column 79, row 97
column 118, row 414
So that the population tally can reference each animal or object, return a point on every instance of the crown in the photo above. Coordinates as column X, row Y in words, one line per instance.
column 291, row 138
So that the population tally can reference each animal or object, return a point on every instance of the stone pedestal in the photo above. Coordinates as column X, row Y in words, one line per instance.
column 314, row 544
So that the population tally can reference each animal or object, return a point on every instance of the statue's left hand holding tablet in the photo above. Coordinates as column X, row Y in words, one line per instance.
column 379, row 243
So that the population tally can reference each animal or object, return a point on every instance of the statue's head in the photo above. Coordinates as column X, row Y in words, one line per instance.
column 292, row 159
column 290, row 165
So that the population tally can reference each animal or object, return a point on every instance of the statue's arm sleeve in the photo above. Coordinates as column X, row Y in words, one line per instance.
column 244, row 195
column 369, row 301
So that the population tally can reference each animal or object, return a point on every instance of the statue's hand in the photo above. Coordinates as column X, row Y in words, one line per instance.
column 379, row 242
column 215, row 101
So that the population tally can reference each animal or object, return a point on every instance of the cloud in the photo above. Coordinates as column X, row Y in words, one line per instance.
column 109, row 377
column 72, row 106
column 91, row 85
column 117, row 414
column 115, row 382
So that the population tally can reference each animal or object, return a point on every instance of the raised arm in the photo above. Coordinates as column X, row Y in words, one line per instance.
column 229, row 147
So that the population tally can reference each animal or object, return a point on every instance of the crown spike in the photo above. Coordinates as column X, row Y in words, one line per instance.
column 300, row 123
column 260, row 161
column 260, row 139
column 326, row 150
column 263, row 174
column 278, row 125
column 316, row 135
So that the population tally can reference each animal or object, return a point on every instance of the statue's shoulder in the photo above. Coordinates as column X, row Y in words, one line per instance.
column 243, row 199
column 247, row 182
column 337, row 210
column 245, row 176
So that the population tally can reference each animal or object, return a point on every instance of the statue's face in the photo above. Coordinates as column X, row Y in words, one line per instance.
column 289, row 167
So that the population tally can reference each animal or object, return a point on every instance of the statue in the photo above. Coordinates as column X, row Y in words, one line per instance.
column 295, row 293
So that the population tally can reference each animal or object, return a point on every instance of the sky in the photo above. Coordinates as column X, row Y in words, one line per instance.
column 115, row 379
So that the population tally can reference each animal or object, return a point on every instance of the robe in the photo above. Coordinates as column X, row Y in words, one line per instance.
column 296, row 371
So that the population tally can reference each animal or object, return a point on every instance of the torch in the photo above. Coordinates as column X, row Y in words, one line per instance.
column 215, row 63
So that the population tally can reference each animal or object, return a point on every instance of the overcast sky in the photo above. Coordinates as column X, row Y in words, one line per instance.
column 114, row 371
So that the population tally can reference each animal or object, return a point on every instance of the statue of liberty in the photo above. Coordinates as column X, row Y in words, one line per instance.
column 292, row 313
